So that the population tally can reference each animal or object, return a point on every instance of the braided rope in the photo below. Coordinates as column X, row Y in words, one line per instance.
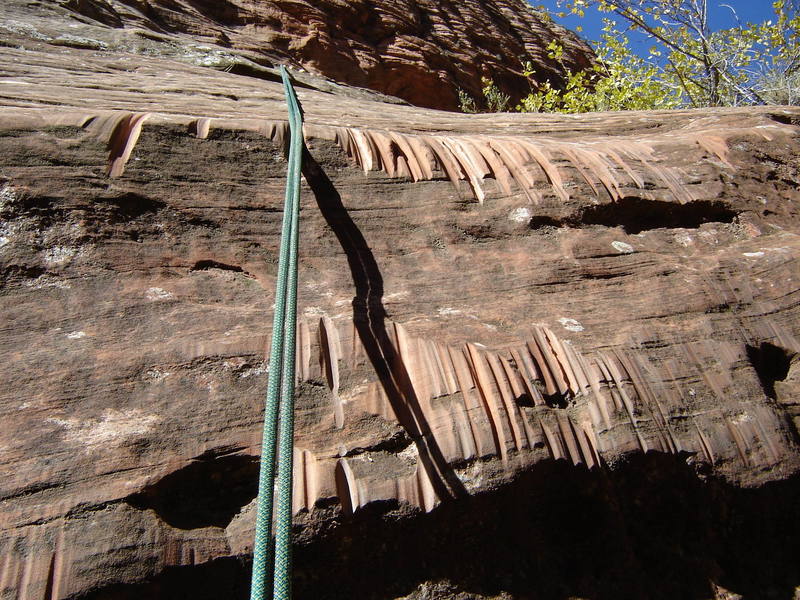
column 281, row 381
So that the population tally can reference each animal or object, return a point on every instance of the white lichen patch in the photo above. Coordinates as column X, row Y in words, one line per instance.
column 7, row 195
column 59, row 255
column 26, row 29
column 313, row 311
column 75, row 41
column 410, row 454
column 741, row 418
column 753, row 254
column 242, row 368
column 113, row 427
column 571, row 324
column 394, row 296
column 76, row 335
column 259, row 369
column 622, row 247
column 473, row 476
column 354, row 392
column 6, row 233
column 156, row 293
column 206, row 56
column 683, row 239
column 447, row 311
column 156, row 374
column 47, row 281
column 520, row 215
column 709, row 236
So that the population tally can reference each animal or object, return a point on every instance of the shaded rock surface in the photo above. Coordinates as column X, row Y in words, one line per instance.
column 540, row 356
column 422, row 51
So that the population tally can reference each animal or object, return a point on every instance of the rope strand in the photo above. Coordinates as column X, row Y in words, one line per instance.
column 279, row 407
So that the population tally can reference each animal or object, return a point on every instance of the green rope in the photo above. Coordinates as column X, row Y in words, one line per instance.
column 282, row 580
column 281, row 380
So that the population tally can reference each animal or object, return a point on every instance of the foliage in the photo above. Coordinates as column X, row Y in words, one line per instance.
column 466, row 102
column 620, row 81
column 688, row 63
column 493, row 97
column 722, row 67
column 779, row 87
column 496, row 101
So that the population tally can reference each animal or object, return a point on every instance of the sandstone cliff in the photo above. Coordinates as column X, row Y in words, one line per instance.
column 541, row 356
column 422, row 51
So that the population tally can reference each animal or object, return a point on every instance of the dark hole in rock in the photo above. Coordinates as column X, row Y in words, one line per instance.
column 208, row 492
column 205, row 265
column 785, row 119
column 544, row 221
column 524, row 400
column 635, row 215
column 480, row 232
column 557, row 400
column 20, row 272
column 771, row 364
column 27, row 204
column 130, row 205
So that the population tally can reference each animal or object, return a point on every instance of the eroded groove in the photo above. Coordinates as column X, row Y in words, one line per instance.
column 636, row 214
column 207, row 265
column 397, row 443
column 208, row 492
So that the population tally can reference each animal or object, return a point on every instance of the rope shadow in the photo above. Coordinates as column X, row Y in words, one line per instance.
column 369, row 318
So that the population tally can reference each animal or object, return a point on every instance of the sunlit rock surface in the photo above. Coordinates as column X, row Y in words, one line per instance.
column 539, row 356
column 423, row 51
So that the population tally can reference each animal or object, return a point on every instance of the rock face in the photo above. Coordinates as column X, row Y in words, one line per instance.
column 422, row 51
column 540, row 356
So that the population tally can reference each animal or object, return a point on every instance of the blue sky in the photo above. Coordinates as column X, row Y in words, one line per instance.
column 720, row 17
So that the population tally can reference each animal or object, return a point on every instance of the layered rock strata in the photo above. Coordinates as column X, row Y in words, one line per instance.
column 422, row 51
column 572, row 335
